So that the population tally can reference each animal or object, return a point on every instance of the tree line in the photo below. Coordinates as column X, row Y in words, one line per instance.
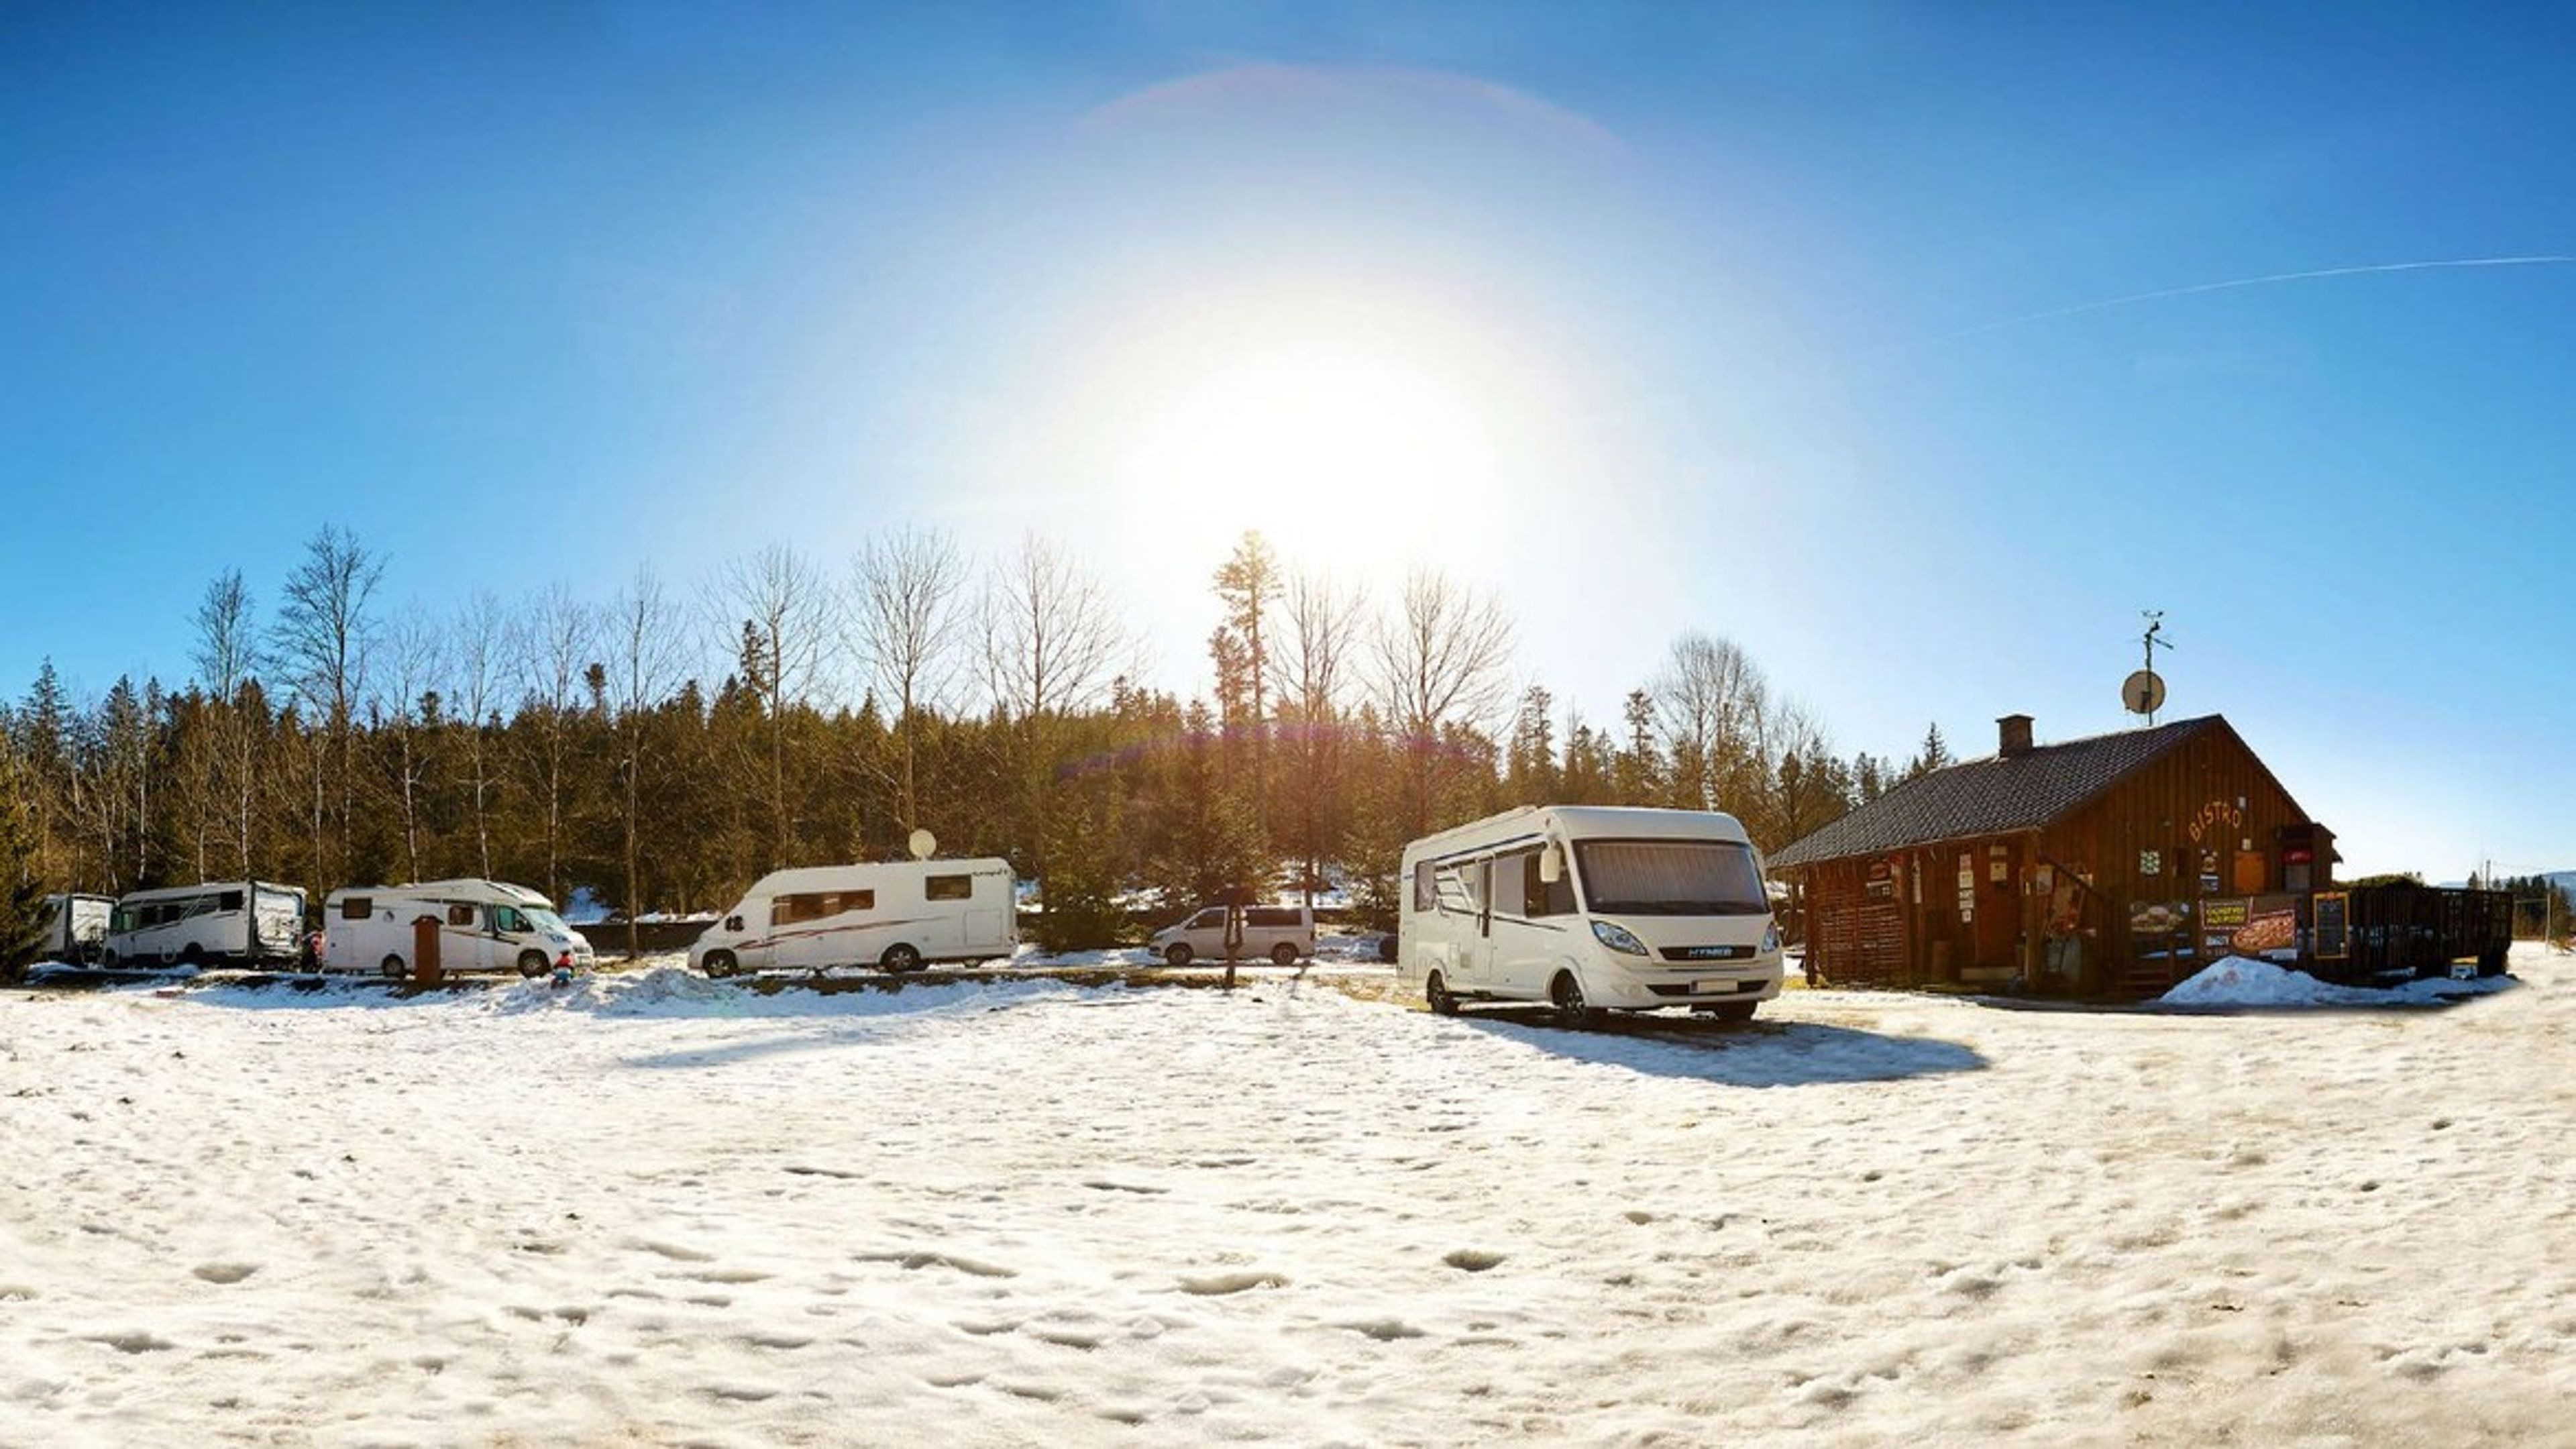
column 664, row 749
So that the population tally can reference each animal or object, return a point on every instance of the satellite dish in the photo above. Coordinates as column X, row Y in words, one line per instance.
column 2143, row 692
column 923, row 842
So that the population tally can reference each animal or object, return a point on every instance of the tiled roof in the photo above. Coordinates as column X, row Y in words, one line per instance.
column 1991, row 796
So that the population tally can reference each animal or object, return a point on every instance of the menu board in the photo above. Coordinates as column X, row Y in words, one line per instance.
column 2333, row 925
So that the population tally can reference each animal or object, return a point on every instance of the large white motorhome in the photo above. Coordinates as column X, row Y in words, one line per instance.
column 75, row 928
column 1586, row 907
column 894, row 914
column 238, row 922
column 483, row 925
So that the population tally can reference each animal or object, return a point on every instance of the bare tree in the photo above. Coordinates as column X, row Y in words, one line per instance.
column 774, row 608
column 226, row 655
column 1439, row 662
column 553, row 644
column 404, row 711
column 905, row 621
column 1051, row 639
column 478, row 657
column 323, row 635
column 1709, row 699
column 1323, row 628
column 644, row 659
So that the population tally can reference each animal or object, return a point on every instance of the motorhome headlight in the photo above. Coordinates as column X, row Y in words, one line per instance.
column 1771, row 938
column 1618, row 937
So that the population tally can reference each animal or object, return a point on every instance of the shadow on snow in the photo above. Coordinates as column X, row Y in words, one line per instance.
column 1754, row 1054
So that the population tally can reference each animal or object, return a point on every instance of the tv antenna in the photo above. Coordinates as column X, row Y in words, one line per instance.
column 2143, row 692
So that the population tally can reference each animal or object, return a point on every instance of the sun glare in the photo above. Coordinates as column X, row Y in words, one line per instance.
column 1354, row 439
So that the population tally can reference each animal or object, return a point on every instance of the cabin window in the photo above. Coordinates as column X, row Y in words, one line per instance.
column 121, row 920
column 509, row 921
column 1426, row 892
column 948, row 887
column 1542, row 898
column 459, row 914
column 232, row 901
column 357, row 908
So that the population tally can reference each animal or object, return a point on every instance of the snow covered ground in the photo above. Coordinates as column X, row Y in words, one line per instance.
column 651, row 1209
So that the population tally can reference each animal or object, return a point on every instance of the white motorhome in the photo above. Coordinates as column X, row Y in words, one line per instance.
column 1586, row 907
column 75, row 928
column 894, row 914
column 483, row 925
column 239, row 922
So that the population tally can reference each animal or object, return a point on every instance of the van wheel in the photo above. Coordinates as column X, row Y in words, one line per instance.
column 1565, row 993
column 900, row 958
column 1436, row 991
column 720, row 963
column 392, row 968
column 107, row 958
column 192, row 954
column 1283, row 954
column 1178, row 955
column 532, row 963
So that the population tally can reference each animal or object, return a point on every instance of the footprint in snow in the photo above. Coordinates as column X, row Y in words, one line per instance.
column 1219, row 1284
column 676, row 1251
column 1472, row 1260
column 1384, row 1330
column 136, row 1341
column 224, row 1272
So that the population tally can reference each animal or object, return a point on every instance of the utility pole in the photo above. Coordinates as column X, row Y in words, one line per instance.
column 2155, row 625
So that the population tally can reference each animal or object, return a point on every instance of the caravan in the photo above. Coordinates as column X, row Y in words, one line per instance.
column 75, row 928
column 482, row 925
column 895, row 914
column 245, row 922
column 1585, row 907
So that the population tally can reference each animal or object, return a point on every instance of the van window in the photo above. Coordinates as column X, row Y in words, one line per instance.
column 948, row 887
column 1209, row 919
column 231, row 901
column 508, row 920
column 121, row 920
column 460, row 914
column 1273, row 916
column 357, row 908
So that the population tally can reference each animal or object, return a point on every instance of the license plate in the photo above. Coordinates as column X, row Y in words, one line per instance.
column 1706, row 986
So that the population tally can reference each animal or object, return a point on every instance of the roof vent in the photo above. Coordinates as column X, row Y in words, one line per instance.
column 2013, row 735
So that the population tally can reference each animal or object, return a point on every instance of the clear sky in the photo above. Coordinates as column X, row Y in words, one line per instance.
column 1750, row 319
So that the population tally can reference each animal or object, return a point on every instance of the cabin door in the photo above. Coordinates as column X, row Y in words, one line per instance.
column 1998, row 867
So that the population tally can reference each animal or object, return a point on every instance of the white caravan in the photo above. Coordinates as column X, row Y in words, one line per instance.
column 483, row 925
column 894, row 914
column 1585, row 907
column 75, row 928
column 241, row 922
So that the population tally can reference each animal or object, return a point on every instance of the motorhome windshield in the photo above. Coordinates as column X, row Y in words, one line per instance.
column 548, row 922
column 1670, row 878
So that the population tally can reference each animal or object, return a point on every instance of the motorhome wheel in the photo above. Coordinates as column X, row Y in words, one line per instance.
column 1436, row 991
column 1735, row 1013
column 1179, row 954
column 392, row 968
column 900, row 958
column 1283, row 954
column 192, row 954
column 1566, row 995
column 720, row 963
column 532, row 963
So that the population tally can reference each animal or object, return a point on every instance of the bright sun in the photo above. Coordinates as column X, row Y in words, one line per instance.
column 1353, row 438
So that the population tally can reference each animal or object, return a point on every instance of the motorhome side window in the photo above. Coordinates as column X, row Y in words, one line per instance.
column 948, row 887
column 232, row 901
column 460, row 915
column 357, row 908
column 1511, row 876
column 1426, row 892
column 1455, row 886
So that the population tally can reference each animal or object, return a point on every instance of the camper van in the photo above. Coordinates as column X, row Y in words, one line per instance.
column 483, row 925
column 239, row 922
column 1590, row 907
column 1282, row 933
column 894, row 914
column 75, row 928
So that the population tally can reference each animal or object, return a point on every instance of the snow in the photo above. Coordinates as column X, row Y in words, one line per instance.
column 648, row 1208
column 2244, row 981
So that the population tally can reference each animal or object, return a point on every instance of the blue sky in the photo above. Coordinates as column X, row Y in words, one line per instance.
column 1664, row 318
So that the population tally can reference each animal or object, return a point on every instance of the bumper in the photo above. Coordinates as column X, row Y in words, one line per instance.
column 1646, row 987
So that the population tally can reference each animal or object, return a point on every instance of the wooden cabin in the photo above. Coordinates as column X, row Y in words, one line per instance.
column 2114, row 866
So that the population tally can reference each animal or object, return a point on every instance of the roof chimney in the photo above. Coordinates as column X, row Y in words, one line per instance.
column 2014, row 735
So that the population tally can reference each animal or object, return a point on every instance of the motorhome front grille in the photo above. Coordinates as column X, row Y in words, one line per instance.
column 1680, row 989
column 1708, row 953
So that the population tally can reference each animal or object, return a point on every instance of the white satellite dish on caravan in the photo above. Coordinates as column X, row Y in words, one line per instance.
column 923, row 843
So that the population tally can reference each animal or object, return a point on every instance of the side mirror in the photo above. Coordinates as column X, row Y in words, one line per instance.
column 1551, row 864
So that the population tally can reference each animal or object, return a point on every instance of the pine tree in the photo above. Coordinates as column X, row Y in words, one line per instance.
column 1935, row 755
column 22, row 888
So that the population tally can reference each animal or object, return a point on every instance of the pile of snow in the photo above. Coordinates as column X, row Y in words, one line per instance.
column 2243, row 981
column 584, row 907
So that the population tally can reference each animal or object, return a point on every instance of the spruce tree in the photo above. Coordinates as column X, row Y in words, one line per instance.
column 22, row 889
